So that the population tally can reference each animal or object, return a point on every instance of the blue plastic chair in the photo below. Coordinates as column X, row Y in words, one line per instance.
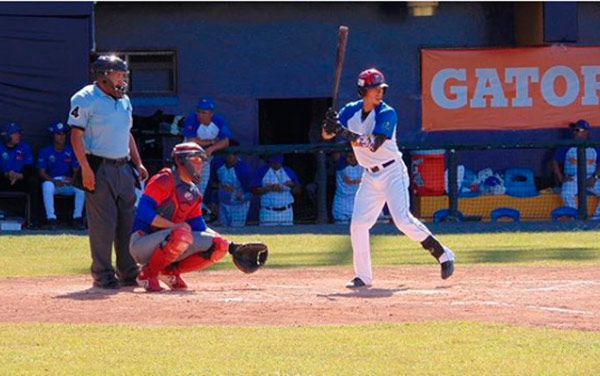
column 498, row 213
column 467, row 181
column 443, row 214
column 519, row 182
column 564, row 211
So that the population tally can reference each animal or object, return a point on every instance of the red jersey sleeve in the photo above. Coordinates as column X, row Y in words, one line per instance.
column 160, row 186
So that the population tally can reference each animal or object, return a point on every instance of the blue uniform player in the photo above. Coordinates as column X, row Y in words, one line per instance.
column 567, row 156
column 57, row 164
column 17, row 172
column 208, row 130
column 347, row 179
column 276, row 184
column 370, row 125
column 234, row 179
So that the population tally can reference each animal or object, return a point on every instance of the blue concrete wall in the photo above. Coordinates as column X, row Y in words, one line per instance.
column 239, row 53
column 44, row 59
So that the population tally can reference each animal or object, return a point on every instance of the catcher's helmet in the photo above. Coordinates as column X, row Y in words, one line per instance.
column 183, row 152
column 9, row 129
column 106, row 64
column 58, row 127
column 370, row 78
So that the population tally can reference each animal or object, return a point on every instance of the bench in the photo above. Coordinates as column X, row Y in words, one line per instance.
column 20, row 195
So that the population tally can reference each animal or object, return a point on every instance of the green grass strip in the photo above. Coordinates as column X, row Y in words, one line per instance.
column 433, row 348
column 48, row 255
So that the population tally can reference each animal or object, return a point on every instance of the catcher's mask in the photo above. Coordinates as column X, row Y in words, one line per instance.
column 102, row 69
column 184, row 155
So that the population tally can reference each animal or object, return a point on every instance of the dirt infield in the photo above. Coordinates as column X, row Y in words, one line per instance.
column 557, row 297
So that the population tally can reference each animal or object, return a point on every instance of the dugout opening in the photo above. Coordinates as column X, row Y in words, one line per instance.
column 286, row 121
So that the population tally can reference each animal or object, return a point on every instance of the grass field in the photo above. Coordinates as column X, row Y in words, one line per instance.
column 453, row 348
column 48, row 255
column 431, row 348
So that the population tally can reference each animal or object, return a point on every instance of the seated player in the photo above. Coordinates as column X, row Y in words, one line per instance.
column 57, row 164
column 17, row 171
column 276, row 184
column 347, row 178
column 170, row 236
column 233, row 177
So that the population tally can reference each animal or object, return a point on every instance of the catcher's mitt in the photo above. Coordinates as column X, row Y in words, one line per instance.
column 249, row 257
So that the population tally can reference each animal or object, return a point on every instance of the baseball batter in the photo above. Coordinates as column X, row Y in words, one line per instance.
column 370, row 125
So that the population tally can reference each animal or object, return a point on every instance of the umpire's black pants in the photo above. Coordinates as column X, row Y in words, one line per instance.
column 110, row 214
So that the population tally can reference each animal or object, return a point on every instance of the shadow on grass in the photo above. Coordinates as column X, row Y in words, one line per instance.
column 364, row 292
column 512, row 255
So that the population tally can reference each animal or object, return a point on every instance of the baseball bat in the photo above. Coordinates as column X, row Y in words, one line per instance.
column 339, row 62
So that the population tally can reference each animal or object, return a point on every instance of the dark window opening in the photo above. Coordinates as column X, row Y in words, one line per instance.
column 151, row 72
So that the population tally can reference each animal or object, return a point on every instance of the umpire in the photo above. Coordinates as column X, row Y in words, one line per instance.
column 101, row 120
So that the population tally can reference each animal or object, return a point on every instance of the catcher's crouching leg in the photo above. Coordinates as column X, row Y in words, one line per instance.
column 197, row 261
column 172, row 247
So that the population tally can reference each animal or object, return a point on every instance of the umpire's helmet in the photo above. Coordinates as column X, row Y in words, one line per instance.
column 109, row 63
column 370, row 78
column 106, row 64
column 181, row 157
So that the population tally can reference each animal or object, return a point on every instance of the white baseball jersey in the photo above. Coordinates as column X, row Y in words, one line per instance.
column 381, row 120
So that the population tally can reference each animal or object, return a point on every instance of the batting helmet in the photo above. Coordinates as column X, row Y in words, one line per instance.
column 370, row 78
column 181, row 157
column 106, row 64
column 9, row 129
column 58, row 127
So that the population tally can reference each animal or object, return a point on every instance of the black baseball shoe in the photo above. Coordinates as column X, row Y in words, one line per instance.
column 52, row 224
column 447, row 269
column 78, row 223
column 356, row 283
column 109, row 283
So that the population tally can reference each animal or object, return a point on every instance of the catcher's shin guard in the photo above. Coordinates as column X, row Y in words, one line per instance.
column 202, row 260
column 172, row 247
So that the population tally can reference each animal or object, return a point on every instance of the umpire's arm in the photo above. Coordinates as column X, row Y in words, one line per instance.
column 135, row 158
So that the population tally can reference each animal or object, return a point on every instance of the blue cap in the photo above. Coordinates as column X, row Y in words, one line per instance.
column 58, row 127
column 206, row 104
column 276, row 158
column 11, row 128
column 581, row 124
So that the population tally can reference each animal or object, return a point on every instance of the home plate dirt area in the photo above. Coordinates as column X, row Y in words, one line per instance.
column 556, row 297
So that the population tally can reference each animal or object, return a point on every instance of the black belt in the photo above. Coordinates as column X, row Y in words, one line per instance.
column 116, row 161
column 282, row 208
column 376, row 168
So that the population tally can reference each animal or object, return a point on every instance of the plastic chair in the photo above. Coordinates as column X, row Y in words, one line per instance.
column 498, row 213
column 519, row 182
column 444, row 214
column 564, row 211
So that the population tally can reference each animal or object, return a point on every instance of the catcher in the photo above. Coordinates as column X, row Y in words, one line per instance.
column 170, row 236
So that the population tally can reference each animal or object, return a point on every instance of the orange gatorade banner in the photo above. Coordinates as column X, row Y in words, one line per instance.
column 509, row 88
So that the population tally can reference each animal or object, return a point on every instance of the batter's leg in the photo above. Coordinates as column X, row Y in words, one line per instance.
column 399, row 206
column 368, row 203
column 398, row 202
